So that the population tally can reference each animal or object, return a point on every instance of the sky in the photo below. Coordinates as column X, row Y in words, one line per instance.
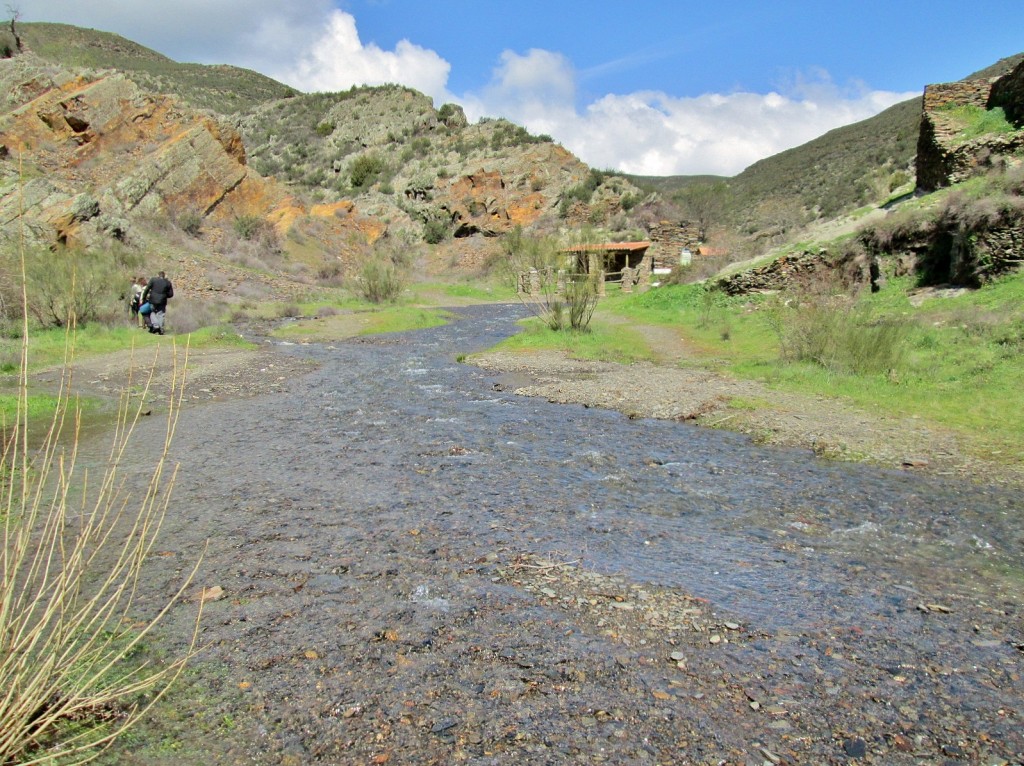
column 651, row 87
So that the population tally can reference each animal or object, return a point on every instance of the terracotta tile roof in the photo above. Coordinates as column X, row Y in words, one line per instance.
column 613, row 246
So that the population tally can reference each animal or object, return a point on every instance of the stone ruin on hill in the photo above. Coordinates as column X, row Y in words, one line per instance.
column 943, row 159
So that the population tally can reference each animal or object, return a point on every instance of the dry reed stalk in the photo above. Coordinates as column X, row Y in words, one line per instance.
column 71, row 562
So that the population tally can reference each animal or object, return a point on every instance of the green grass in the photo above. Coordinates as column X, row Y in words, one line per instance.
column 975, row 121
column 223, row 335
column 402, row 319
column 437, row 293
column 47, row 347
column 364, row 322
column 40, row 407
column 961, row 368
column 605, row 342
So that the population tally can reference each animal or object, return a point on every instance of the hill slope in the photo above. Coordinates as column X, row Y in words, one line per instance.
column 835, row 173
column 222, row 89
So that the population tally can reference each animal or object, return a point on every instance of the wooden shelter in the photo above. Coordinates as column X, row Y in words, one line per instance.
column 611, row 258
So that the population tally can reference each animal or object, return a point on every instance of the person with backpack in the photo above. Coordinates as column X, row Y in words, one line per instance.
column 157, row 293
column 138, row 286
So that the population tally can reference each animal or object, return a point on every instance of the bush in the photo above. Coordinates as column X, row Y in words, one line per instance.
column 248, row 227
column 580, row 300
column 565, row 300
column 365, row 169
column 379, row 280
column 188, row 315
column 72, row 287
column 839, row 336
column 191, row 223
column 435, row 231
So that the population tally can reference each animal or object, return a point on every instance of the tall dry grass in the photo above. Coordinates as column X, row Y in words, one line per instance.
column 74, row 552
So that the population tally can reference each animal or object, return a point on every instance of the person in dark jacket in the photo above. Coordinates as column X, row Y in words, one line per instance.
column 157, row 293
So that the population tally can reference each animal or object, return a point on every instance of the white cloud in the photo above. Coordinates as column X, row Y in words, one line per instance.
column 653, row 133
column 338, row 59
column 242, row 32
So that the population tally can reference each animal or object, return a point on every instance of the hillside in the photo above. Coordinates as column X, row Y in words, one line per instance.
column 423, row 172
column 223, row 89
column 830, row 175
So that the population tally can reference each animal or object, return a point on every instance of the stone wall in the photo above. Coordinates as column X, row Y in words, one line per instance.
column 1008, row 92
column 941, row 158
column 668, row 240
column 966, row 92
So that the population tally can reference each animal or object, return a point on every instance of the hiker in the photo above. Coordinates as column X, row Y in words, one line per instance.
column 138, row 286
column 157, row 293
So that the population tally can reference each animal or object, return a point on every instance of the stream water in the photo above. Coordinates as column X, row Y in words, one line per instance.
column 880, row 609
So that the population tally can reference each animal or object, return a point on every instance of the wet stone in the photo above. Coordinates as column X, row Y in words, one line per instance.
column 855, row 747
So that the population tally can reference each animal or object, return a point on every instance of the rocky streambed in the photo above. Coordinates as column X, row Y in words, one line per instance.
column 407, row 562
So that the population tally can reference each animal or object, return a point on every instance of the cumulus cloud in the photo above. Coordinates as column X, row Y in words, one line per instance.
column 654, row 133
column 337, row 59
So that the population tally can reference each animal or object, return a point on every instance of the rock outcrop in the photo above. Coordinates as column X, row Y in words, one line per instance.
column 86, row 160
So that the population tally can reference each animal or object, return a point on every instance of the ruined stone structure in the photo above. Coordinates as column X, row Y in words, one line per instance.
column 1008, row 93
column 942, row 159
column 668, row 240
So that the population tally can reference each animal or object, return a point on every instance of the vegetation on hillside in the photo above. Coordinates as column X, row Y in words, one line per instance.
column 221, row 88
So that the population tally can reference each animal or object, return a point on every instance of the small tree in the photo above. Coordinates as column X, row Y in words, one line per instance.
column 550, row 283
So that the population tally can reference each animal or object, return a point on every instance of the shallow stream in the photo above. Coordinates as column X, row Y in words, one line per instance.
column 363, row 523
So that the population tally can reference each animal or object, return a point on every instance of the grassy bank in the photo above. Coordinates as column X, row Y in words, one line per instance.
column 949, row 358
column 53, row 347
column 335, row 325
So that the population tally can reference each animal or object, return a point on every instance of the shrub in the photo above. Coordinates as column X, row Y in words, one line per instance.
column 365, row 169
column 565, row 300
column 840, row 336
column 248, row 226
column 191, row 223
column 188, row 315
column 379, row 280
column 436, row 230
column 580, row 300
column 72, row 286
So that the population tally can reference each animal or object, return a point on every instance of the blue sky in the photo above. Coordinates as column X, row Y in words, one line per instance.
column 650, row 87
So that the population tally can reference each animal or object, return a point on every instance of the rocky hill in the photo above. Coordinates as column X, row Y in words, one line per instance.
column 383, row 154
column 93, row 162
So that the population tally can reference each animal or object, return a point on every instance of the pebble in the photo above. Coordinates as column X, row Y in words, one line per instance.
column 855, row 747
